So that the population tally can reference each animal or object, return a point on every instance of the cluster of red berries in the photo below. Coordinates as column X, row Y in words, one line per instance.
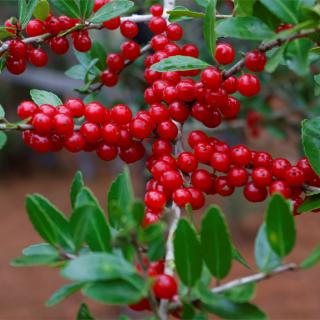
column 164, row 286
column 184, row 182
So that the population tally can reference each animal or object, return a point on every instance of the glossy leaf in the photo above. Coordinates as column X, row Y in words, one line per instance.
column 96, row 267
column 312, row 259
column 76, row 72
column 216, row 243
column 209, row 27
column 179, row 63
column 180, row 13
column 247, row 28
column 243, row 293
column 63, row 293
column 40, row 249
column 236, row 255
column 76, row 186
column 280, row 227
column 244, row 7
column 44, row 97
column 25, row 11
column 311, row 142
column 111, row 10
column 3, row 139
column 287, row 11
column 86, row 7
column 84, row 313
column 41, row 10
column 120, row 197
column 310, row 203
column 187, row 253
column 275, row 59
column 68, row 7
column 266, row 258
column 34, row 260
column 98, row 51
column 4, row 33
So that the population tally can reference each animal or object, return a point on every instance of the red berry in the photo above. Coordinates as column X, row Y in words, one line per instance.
column 225, row 53
column 248, row 85
column 280, row 187
column 220, row 161
column 106, row 152
column 294, row 177
column 262, row 159
column 165, row 287
column 151, row 76
column 133, row 153
column 157, row 25
column 40, row 143
column 129, row 29
column 155, row 200
column 231, row 109
column 179, row 111
column 149, row 219
column 110, row 133
column 240, row 155
column 63, row 124
column 197, row 198
column 109, row 79
column 167, row 130
column 159, row 167
column 237, row 176
column 159, row 42
column 59, row 45
column 16, row 66
column 17, row 49
column 130, row 50
column 181, row 197
column 10, row 27
column 112, row 24
column 75, row 142
column 159, row 112
column 121, row 114
column 27, row 109
column 82, row 42
column 190, row 50
column 156, row 10
column 38, row 57
column 95, row 112
column 171, row 180
column 253, row 193
column 140, row 128
column 196, row 137
column 98, row 4
column 53, row 25
column 187, row 162
column 141, row 305
column 76, row 106
column 223, row 187
column 203, row 152
column 230, row 84
column 115, row 62
column 35, row 28
column 42, row 123
column 305, row 166
column 174, row 32
column 202, row 179
column 185, row 91
column 161, row 147
column 211, row 78
column 255, row 61
column 91, row 132
column 261, row 177
column 279, row 167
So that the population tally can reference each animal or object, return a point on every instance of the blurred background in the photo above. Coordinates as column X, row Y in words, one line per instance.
column 285, row 100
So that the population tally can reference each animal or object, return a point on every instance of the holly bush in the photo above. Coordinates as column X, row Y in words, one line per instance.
column 153, row 255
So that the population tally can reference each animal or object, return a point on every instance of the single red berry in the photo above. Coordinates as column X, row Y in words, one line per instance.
column 98, row 4
column 305, row 166
column 197, row 198
column 181, row 197
column 179, row 111
column 196, row 137
column 203, row 152
column 157, row 25
column 106, row 152
column 159, row 42
column 187, row 162
column 17, row 49
column 95, row 112
column 133, row 153
column 82, row 42
column 174, row 32
column 211, row 78
column 185, row 91
column 140, row 128
column 190, row 50
column 91, row 132
column 262, row 177
column 225, row 53
column 109, row 78
column 279, row 167
column 240, row 155
column 172, row 49
column 35, row 27
column 165, row 287
column 155, row 200
column 76, row 106
column 121, row 114
column 40, row 143
column 171, row 180
column 141, row 305
column 230, row 84
column 248, row 85
column 159, row 112
column 48, row 110
column 156, row 10
column 280, row 187
column 262, row 159
column 220, row 161
column 16, row 66
column 53, row 25
column 42, row 123
column 167, row 130
column 67, row 22
column 149, row 219
column 294, row 177
column 130, row 50
column 27, row 109
column 59, row 45
column 75, row 142
column 129, row 29
column 223, row 187
column 253, row 193
column 232, row 108
column 38, row 57
column 237, row 176
column 255, row 61
column 10, row 27
column 202, row 180
column 63, row 124
column 112, row 24
column 159, row 167
column 115, row 62
column 110, row 133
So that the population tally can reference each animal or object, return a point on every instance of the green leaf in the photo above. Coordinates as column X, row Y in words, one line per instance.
column 280, row 227
column 98, row 234
column 297, row 56
column 209, row 27
column 228, row 309
column 266, row 258
column 76, row 186
column 40, row 249
column 247, row 28
column 120, row 197
column 117, row 291
column 98, row 266
column 181, row 13
column 243, row 293
column 84, row 313
column 111, row 10
column 34, row 260
column 187, row 253
column 179, row 63
column 310, row 203
column 68, row 7
column 244, row 7
column 3, row 139
column 86, row 7
column 202, row 3
column 236, row 255
column 276, row 59
column 44, row 97
column 311, row 142
column 284, row 10
column 312, row 259
column 57, row 220
column 98, row 51
column 4, row 33
column 41, row 10
column 25, row 11
column 216, row 243
column 63, row 293
column 137, row 212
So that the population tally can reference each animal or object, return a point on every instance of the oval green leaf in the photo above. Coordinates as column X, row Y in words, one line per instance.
column 209, row 27
column 44, row 97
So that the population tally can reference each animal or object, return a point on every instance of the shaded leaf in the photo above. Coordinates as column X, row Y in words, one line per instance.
column 25, row 11
column 209, row 27
column 68, row 7
column 34, row 260
column 86, row 7
column 244, row 7
column 285, row 10
column 41, row 10
column 275, row 59
column 40, row 249
column 312, row 259
column 84, row 313
column 243, row 293
column 236, row 255
column 76, row 72
column 3, row 139
column 76, row 186
column 44, row 97
column 180, row 13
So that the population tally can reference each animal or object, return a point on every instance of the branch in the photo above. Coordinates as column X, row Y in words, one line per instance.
column 264, row 47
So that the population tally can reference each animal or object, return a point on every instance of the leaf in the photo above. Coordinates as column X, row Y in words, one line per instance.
column 40, row 249
column 34, row 260
column 310, row 203
column 68, row 7
column 209, row 27
column 311, row 142
column 312, row 259
column 3, row 139
column 244, row 7
column 226, row 308
column 4, row 33
column 97, row 267
column 265, row 15
column 118, row 291
column 41, row 10
column 243, row 293
column 181, row 13
column 25, row 11
column 111, row 10
column 276, row 59
column 236, row 255
column 187, row 253
column 84, row 313
column 137, row 212
column 216, row 243
column 280, row 227
column 285, row 10
column 76, row 72
column 63, row 293
column 98, row 51
column 120, row 197
column 76, row 186
column 247, row 28
column 266, row 258
column 57, row 220
column 98, row 235
column 86, row 7
column 297, row 56
column 202, row 3
column 179, row 63
column 44, row 97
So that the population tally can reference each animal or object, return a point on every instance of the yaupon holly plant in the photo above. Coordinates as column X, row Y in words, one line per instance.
column 149, row 256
